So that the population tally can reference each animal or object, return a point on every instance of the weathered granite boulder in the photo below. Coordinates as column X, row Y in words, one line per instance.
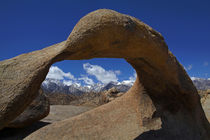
column 208, row 91
column 162, row 104
column 37, row 110
column 110, row 95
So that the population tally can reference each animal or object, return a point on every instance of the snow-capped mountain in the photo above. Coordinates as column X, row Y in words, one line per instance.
column 119, row 86
column 53, row 86
column 57, row 86
column 201, row 83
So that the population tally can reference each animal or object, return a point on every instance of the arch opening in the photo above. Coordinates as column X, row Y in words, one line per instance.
column 79, row 79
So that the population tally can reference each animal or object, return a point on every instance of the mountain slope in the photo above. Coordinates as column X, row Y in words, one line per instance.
column 57, row 86
column 201, row 83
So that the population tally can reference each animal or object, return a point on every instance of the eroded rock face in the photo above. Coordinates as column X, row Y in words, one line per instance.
column 20, row 80
column 162, row 104
column 37, row 110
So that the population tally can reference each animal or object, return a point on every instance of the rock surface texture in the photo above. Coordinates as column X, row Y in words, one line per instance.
column 37, row 110
column 162, row 104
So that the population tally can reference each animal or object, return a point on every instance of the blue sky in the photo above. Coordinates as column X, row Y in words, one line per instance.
column 31, row 25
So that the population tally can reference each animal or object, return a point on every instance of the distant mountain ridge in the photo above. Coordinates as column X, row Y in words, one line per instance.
column 122, row 87
column 57, row 86
column 201, row 83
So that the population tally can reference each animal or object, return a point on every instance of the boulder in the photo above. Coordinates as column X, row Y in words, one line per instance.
column 110, row 95
column 208, row 91
column 112, row 92
column 162, row 104
column 37, row 110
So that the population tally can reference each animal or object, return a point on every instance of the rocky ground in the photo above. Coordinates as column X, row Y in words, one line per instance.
column 61, row 112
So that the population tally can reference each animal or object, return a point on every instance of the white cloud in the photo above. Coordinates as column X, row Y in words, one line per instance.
column 131, row 80
column 87, row 80
column 189, row 67
column 118, row 72
column 133, row 77
column 100, row 73
column 103, row 76
column 58, row 74
column 206, row 63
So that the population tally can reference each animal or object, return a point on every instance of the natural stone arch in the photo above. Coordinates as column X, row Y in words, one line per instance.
column 163, row 98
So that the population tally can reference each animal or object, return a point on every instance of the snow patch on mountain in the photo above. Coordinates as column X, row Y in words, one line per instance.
column 201, row 83
column 58, row 86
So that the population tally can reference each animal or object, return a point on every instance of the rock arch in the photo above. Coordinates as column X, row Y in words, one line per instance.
column 163, row 101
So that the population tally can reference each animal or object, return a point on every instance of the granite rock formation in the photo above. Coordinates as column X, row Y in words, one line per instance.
column 162, row 104
column 37, row 110
column 111, row 95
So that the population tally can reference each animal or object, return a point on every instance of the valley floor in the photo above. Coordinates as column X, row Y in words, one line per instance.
column 61, row 112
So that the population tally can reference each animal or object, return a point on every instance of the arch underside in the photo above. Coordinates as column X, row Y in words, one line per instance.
column 163, row 102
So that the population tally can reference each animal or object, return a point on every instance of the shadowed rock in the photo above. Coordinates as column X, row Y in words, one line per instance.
column 37, row 110
column 20, row 80
column 163, row 99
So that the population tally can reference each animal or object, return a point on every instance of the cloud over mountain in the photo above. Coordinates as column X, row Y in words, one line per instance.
column 59, row 81
column 58, row 74
column 87, row 80
column 102, row 75
column 131, row 80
